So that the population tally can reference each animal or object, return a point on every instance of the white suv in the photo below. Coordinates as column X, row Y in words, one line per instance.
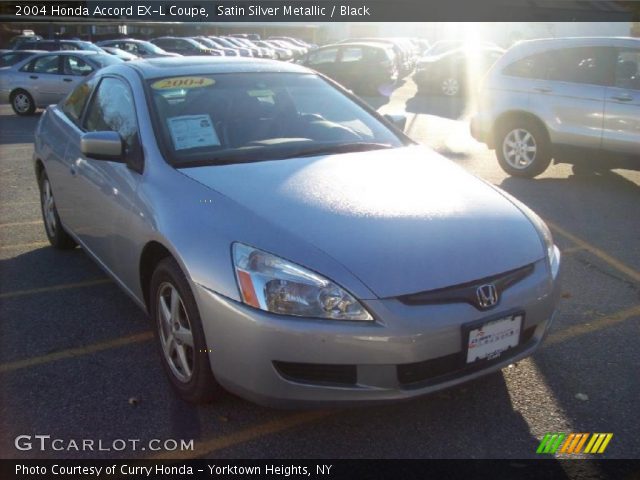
column 547, row 99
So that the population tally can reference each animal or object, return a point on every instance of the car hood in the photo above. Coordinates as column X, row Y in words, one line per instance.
column 404, row 220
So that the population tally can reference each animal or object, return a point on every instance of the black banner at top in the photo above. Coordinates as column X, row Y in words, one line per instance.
column 324, row 11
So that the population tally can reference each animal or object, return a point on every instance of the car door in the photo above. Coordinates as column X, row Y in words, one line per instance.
column 622, row 105
column 571, row 96
column 324, row 61
column 105, row 190
column 41, row 78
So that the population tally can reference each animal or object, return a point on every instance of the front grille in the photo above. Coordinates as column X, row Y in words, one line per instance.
column 467, row 292
column 441, row 369
column 316, row 373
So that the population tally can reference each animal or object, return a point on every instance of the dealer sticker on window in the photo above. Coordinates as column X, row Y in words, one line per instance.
column 493, row 338
column 192, row 131
column 182, row 82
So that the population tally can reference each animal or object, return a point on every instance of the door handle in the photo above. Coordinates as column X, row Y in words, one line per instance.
column 67, row 80
column 34, row 77
column 622, row 98
column 542, row 89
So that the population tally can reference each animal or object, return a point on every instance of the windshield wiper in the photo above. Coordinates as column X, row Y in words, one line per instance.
column 337, row 148
column 261, row 154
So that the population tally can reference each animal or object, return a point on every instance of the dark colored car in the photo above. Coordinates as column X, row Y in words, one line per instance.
column 450, row 73
column 139, row 48
column 402, row 57
column 184, row 46
column 363, row 67
column 18, row 40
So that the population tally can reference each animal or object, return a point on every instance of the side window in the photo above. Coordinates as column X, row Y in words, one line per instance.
column 76, row 66
column 48, row 64
column 112, row 109
column 352, row 54
column 129, row 47
column 327, row 55
column 534, row 66
column 73, row 105
column 628, row 69
column 590, row 65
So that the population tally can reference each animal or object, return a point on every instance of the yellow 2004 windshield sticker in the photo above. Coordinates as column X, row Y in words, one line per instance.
column 182, row 82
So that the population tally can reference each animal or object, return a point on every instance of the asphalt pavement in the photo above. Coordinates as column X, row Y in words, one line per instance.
column 77, row 361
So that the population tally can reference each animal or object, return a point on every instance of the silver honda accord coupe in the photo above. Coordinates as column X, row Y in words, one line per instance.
column 290, row 244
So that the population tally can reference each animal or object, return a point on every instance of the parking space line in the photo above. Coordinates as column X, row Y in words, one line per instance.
column 23, row 245
column 17, row 224
column 13, row 204
column 245, row 435
column 602, row 255
column 55, row 288
column 593, row 326
column 76, row 352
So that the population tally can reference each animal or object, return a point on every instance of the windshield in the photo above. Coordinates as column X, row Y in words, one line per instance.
column 151, row 48
column 245, row 117
column 104, row 60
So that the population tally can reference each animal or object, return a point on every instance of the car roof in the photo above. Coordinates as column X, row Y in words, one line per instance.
column 196, row 65
column 383, row 46
column 22, row 51
column 542, row 43
column 531, row 47
column 71, row 52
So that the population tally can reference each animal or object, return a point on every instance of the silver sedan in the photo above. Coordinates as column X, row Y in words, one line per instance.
column 290, row 244
column 46, row 78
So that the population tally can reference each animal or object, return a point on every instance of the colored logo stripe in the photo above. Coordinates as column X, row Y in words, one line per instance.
column 550, row 443
column 598, row 442
column 573, row 443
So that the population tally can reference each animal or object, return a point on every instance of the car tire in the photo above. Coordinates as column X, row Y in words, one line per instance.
column 22, row 103
column 56, row 234
column 179, row 334
column 523, row 148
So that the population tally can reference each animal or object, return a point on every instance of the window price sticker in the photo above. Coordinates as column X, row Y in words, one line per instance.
column 192, row 131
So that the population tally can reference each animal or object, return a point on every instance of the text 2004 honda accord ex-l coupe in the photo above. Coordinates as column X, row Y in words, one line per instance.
column 290, row 244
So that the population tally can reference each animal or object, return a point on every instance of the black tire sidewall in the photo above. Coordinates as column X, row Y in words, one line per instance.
column 202, row 386
column 543, row 153
column 60, row 239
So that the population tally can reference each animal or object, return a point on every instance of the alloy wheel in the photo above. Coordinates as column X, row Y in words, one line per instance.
column 48, row 208
column 175, row 331
column 22, row 102
column 519, row 148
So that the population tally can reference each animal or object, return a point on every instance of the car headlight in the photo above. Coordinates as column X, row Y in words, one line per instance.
column 276, row 285
column 553, row 254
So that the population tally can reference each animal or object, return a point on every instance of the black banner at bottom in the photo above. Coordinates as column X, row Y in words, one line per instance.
column 548, row 469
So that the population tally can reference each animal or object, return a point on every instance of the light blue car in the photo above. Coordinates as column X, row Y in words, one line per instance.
column 290, row 244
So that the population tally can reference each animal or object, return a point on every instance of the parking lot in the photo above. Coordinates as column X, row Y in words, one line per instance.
column 77, row 360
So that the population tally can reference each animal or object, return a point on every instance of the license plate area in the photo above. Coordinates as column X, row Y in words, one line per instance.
column 488, row 339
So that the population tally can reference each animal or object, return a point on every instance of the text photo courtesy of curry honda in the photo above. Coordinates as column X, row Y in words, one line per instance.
column 325, row 240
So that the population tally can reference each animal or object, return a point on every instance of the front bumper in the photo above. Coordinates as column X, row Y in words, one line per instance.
column 244, row 343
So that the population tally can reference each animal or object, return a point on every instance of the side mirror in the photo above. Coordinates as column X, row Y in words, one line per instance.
column 399, row 121
column 102, row 146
